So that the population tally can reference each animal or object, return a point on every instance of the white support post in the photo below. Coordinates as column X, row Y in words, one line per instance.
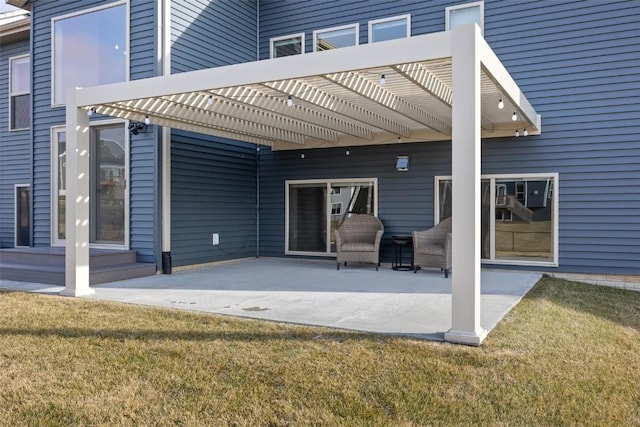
column 465, row 153
column 77, row 209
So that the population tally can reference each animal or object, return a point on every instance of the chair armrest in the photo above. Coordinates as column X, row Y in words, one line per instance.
column 379, row 234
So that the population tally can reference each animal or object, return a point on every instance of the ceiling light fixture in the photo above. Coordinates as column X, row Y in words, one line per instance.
column 90, row 112
column 383, row 80
column 146, row 120
column 514, row 117
column 517, row 133
column 525, row 132
column 210, row 101
column 289, row 101
column 500, row 104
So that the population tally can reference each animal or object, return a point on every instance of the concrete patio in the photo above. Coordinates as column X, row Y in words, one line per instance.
column 315, row 293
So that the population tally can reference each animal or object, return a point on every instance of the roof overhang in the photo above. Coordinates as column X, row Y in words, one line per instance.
column 338, row 98
column 14, row 26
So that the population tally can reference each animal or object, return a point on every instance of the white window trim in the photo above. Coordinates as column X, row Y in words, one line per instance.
column 328, row 183
column 15, row 213
column 448, row 9
column 393, row 18
column 355, row 26
column 290, row 36
column 83, row 12
column 492, row 178
column 55, row 241
column 12, row 94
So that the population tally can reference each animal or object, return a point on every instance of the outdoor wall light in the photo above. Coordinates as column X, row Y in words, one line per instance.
column 137, row 127
column 402, row 163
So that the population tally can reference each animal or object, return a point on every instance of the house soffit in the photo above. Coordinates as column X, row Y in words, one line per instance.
column 338, row 97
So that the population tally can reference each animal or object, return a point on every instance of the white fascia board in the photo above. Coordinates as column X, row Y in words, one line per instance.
column 509, row 88
column 392, row 52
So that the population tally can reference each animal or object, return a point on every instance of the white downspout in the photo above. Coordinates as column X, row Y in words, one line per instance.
column 164, row 59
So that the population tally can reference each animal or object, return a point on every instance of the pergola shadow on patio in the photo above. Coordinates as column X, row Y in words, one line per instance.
column 315, row 293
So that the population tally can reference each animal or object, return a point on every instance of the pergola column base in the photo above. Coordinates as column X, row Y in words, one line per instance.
column 70, row 292
column 465, row 337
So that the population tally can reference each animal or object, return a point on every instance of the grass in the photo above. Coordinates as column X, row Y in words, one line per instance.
column 568, row 354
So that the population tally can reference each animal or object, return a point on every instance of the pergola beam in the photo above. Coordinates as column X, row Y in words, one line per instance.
column 376, row 93
column 323, row 99
column 278, row 105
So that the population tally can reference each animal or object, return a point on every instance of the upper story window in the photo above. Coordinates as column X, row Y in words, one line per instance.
column 334, row 38
column 465, row 14
column 19, row 91
column 396, row 27
column 90, row 48
column 287, row 45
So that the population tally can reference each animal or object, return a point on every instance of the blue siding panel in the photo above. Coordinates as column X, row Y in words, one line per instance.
column 577, row 62
column 213, row 190
column 15, row 149
column 209, row 34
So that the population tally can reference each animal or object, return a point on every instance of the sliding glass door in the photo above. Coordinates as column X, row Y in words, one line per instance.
column 316, row 208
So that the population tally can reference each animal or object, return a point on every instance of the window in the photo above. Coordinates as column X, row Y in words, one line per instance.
column 22, row 215
column 314, row 209
column 108, row 189
column 465, row 14
column 519, row 217
column 89, row 49
column 390, row 28
column 19, row 92
column 334, row 38
column 287, row 45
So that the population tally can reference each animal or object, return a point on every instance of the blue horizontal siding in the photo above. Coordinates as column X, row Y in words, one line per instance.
column 209, row 34
column 15, row 149
column 578, row 64
column 213, row 190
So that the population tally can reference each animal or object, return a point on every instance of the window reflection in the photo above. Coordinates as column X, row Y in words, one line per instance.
column 89, row 50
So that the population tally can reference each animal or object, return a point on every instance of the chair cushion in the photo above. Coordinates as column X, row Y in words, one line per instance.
column 433, row 249
column 358, row 247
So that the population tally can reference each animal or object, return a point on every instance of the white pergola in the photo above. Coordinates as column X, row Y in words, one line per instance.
column 440, row 86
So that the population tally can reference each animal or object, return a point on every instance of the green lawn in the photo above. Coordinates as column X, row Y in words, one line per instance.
column 568, row 354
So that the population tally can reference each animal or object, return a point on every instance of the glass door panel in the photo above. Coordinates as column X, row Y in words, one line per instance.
column 349, row 198
column 23, row 210
column 62, row 183
column 108, row 184
column 308, row 217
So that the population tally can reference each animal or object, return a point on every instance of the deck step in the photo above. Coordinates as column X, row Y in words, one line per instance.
column 47, row 265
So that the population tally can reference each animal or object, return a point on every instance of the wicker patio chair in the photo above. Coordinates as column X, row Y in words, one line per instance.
column 358, row 240
column 432, row 247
